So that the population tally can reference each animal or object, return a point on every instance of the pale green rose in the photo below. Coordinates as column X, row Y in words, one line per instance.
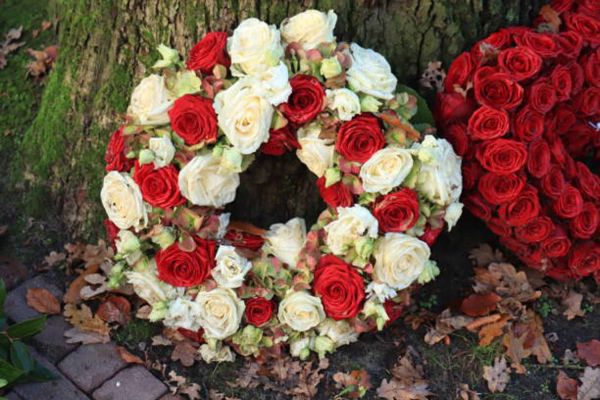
column 374, row 308
column 369, row 104
column 430, row 272
column 146, row 156
column 169, row 57
column 163, row 150
column 330, row 67
column 344, row 101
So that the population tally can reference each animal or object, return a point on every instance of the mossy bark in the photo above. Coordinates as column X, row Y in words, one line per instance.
column 106, row 46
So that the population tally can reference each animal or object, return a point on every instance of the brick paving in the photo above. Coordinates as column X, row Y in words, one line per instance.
column 83, row 372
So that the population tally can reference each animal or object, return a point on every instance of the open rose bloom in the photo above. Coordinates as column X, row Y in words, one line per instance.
column 193, row 127
column 523, row 109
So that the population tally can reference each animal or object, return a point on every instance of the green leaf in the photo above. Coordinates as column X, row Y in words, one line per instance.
column 2, row 297
column 20, row 357
column 424, row 114
column 9, row 372
column 27, row 328
column 3, row 383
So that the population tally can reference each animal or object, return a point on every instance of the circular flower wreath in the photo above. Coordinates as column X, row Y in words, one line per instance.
column 522, row 107
column 193, row 129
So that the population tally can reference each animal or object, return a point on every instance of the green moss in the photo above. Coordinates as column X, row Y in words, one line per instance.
column 135, row 332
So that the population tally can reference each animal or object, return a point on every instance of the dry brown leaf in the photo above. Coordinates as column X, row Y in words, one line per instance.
column 589, row 352
column 465, row 393
column 445, row 324
column 489, row 332
column 566, row 387
column 551, row 16
column 9, row 45
column 73, row 292
column 590, row 384
column 573, row 305
column 214, row 394
column 354, row 384
column 407, row 382
column 84, row 319
column 497, row 375
column 128, row 357
column 191, row 390
column 42, row 301
column 46, row 25
column 77, row 335
column 115, row 309
column 54, row 258
column 44, row 61
column 484, row 254
column 160, row 340
column 185, row 353
column 515, row 350
column 477, row 305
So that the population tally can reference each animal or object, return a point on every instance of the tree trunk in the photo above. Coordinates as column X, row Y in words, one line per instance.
column 106, row 47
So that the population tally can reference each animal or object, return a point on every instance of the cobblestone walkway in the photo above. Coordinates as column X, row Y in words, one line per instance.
column 83, row 372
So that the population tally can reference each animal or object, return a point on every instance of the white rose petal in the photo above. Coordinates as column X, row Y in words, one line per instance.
column 351, row 224
column 371, row 73
column 183, row 313
column 309, row 28
column 380, row 291
column 231, row 268
column 301, row 311
column 315, row 153
column 122, row 200
column 452, row 214
column 210, row 355
column 163, row 150
column 204, row 183
column 254, row 47
column 285, row 241
column 221, row 312
column 345, row 102
column 244, row 114
column 150, row 101
column 399, row 259
column 146, row 285
column 274, row 84
column 386, row 169
column 339, row 331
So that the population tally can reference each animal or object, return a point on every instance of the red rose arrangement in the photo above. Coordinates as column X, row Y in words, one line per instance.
column 523, row 109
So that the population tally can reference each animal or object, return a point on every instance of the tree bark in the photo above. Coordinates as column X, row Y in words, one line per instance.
column 107, row 46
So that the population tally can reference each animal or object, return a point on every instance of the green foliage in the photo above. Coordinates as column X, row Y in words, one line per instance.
column 136, row 331
column 16, row 363
column 424, row 116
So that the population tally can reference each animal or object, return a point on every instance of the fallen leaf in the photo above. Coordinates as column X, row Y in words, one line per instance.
column 590, row 384
column 354, row 385
column 53, row 259
column 465, row 393
column 192, row 391
column 515, row 350
column 98, row 284
column 115, row 309
column 589, row 352
column 566, row 387
column 184, row 352
column 551, row 17
column 214, row 394
column 72, row 295
column 497, row 375
column 477, row 305
column 445, row 324
column 407, row 382
column 128, row 357
column 77, row 335
column 44, row 61
column 160, row 340
column 489, row 332
column 484, row 254
column 42, row 301
column 84, row 320
column 9, row 45
column 46, row 25
column 573, row 305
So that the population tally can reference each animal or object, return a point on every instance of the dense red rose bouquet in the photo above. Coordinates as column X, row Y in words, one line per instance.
column 523, row 109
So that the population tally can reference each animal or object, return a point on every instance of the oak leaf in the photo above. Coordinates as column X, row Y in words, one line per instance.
column 73, row 292
column 354, row 384
column 128, row 357
column 477, row 305
column 497, row 375
column 573, row 305
column 185, row 353
column 115, row 309
column 589, row 352
column 42, row 301
column 83, row 319
column 489, row 332
column 407, row 382
column 590, row 384
column 484, row 254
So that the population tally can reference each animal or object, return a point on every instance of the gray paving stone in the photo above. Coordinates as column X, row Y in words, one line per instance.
column 90, row 365
column 16, row 303
column 51, row 341
column 135, row 383
column 172, row 397
column 59, row 389
column 13, row 396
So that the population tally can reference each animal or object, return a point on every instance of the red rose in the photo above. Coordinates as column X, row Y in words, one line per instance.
column 557, row 244
column 569, row 44
column 498, row 227
column 536, row 231
column 584, row 225
column 588, row 182
column 430, row 235
column 544, row 44
column 208, row 52
column 577, row 77
column 562, row 119
column 359, row 138
column 397, row 211
column 562, row 83
column 502, row 156
column 557, row 148
column 159, row 186
column 561, row 274
column 280, row 141
column 553, row 183
column 194, row 119
column 489, row 46
column 542, row 96
column 478, row 206
column 520, row 62
column 585, row 258
column 336, row 195
column 591, row 68
column 587, row 102
column 560, row 6
column 569, row 203
column 528, row 254
column 528, row 124
column 587, row 26
column 306, row 101
column 471, row 172
column 115, row 156
column 522, row 210
column 459, row 72
column 579, row 139
column 393, row 311
column 498, row 90
column 194, row 336
column 538, row 159
column 488, row 123
column 452, row 107
column 497, row 189
column 186, row 268
column 589, row 7
column 456, row 134
column 244, row 240
column 340, row 287
column 112, row 231
column 258, row 311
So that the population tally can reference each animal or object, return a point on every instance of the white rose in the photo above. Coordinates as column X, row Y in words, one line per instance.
column 309, row 28
column 163, row 150
column 222, row 354
column 315, row 153
column 203, row 182
column 244, row 114
column 254, row 46
column 231, row 268
column 150, row 101
column 221, row 312
column 183, row 313
column 339, row 331
column 399, row 259
column 380, row 291
column 345, row 102
column 274, row 84
column 301, row 311
column 439, row 177
column 146, row 284
column 386, row 169
column 301, row 347
column 350, row 225
column 452, row 214
column 285, row 241
column 122, row 200
column 370, row 73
